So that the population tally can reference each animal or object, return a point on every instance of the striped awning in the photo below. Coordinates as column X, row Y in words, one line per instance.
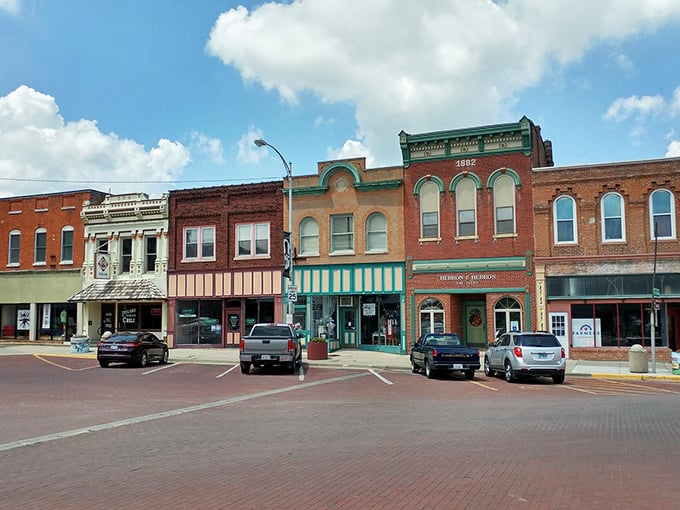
column 120, row 290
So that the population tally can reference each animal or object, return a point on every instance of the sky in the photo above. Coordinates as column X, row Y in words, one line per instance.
column 155, row 95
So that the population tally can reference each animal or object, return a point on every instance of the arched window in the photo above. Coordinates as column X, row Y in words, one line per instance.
column 613, row 219
column 431, row 316
column 309, row 237
column 466, row 208
column 67, row 245
column 662, row 214
column 13, row 258
column 376, row 233
column 429, row 211
column 504, row 204
column 564, row 209
column 40, row 247
column 507, row 316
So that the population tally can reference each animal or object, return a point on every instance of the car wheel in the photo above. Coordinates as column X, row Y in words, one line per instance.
column 429, row 372
column 103, row 363
column 166, row 356
column 469, row 374
column 558, row 379
column 143, row 359
column 510, row 375
column 245, row 368
column 414, row 368
column 488, row 371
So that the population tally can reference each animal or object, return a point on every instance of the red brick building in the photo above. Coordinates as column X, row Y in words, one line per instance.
column 41, row 255
column 225, row 262
column 597, row 230
column 468, row 229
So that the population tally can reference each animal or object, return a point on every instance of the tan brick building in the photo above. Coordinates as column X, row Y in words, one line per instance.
column 595, row 257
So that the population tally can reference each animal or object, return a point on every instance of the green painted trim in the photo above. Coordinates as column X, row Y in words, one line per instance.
column 470, row 265
column 412, row 313
column 309, row 275
column 470, row 290
column 311, row 190
column 527, row 313
column 503, row 171
column 463, row 175
column 428, row 178
column 325, row 176
column 374, row 186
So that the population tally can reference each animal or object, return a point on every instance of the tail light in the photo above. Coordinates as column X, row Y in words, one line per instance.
column 291, row 346
column 434, row 353
column 241, row 343
column 517, row 351
column 564, row 354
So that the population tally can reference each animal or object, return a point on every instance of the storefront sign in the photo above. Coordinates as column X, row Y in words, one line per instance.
column 468, row 279
column 23, row 320
column 102, row 265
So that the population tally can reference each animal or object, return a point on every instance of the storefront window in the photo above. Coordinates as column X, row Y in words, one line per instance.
column 507, row 316
column 199, row 322
column 431, row 317
column 258, row 310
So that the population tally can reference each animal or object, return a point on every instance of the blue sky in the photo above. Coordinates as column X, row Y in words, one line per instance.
column 152, row 95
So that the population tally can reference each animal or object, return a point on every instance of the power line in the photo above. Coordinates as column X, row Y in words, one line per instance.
column 63, row 181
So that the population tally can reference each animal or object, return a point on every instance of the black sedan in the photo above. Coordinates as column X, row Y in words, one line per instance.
column 134, row 348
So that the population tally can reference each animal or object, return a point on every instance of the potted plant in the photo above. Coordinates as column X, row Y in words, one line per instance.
column 317, row 348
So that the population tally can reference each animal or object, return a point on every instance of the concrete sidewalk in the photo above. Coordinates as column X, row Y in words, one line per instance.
column 347, row 358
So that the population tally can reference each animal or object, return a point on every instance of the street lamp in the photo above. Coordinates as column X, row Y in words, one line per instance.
column 288, row 251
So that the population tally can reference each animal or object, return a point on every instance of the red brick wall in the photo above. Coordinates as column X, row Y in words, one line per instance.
column 663, row 354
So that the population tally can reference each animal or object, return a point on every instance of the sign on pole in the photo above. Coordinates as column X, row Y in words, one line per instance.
column 292, row 293
column 287, row 255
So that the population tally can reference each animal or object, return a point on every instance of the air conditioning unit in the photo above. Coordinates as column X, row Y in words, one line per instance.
column 346, row 300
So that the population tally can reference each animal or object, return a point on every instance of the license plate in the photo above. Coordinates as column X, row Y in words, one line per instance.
column 457, row 366
column 542, row 355
column 265, row 356
column 114, row 347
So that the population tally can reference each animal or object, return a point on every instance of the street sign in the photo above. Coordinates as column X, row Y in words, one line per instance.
column 292, row 293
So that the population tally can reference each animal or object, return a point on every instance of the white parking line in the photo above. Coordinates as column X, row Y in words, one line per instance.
column 167, row 414
column 226, row 372
column 162, row 367
column 380, row 376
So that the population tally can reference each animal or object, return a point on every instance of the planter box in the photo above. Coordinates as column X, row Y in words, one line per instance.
column 317, row 350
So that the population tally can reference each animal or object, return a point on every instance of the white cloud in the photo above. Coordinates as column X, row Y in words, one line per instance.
column 675, row 102
column 624, row 63
column 11, row 6
column 201, row 143
column 248, row 152
column 36, row 144
column 352, row 149
column 420, row 65
column 673, row 150
column 625, row 107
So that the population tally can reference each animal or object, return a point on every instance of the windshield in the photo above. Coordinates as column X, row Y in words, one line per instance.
column 539, row 341
column 449, row 340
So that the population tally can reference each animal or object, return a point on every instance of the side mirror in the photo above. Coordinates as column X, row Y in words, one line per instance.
column 492, row 344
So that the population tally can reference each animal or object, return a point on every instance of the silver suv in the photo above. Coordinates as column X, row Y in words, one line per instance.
column 526, row 353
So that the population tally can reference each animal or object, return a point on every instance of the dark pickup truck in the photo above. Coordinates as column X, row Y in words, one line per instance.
column 444, row 352
column 271, row 344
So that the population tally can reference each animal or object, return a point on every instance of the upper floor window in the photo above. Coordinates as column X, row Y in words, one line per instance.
column 125, row 254
column 40, row 251
column 14, row 248
column 150, row 253
column 565, row 220
column 102, row 245
column 199, row 243
column 309, row 236
column 613, row 220
column 429, row 211
column 662, row 214
column 67, row 245
column 376, row 233
column 466, row 208
column 252, row 240
column 504, row 204
column 342, row 233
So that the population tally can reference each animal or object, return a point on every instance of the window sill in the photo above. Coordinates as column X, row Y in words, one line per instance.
column 341, row 253
column 66, row 263
column 504, row 236
column 189, row 261
column 467, row 238
column 376, row 252
column 253, row 257
column 13, row 264
column 430, row 240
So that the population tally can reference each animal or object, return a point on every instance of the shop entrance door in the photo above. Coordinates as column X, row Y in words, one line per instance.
column 558, row 327
column 475, row 323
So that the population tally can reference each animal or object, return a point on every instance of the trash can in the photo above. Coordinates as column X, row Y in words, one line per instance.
column 80, row 344
column 638, row 362
column 675, row 360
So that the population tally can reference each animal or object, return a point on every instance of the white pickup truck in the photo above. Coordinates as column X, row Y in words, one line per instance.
column 270, row 344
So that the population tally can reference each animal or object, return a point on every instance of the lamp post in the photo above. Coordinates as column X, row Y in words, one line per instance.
column 288, row 252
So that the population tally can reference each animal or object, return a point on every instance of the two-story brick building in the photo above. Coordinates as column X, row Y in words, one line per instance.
column 606, row 235
column 225, row 262
column 349, row 264
column 41, row 251
column 468, row 229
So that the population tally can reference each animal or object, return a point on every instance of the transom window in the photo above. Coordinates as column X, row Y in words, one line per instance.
column 309, row 236
column 565, row 220
column 429, row 211
column 252, row 240
column 662, row 214
column 613, row 220
column 466, row 208
column 504, row 204
column 376, row 233
column 342, row 233
column 199, row 243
